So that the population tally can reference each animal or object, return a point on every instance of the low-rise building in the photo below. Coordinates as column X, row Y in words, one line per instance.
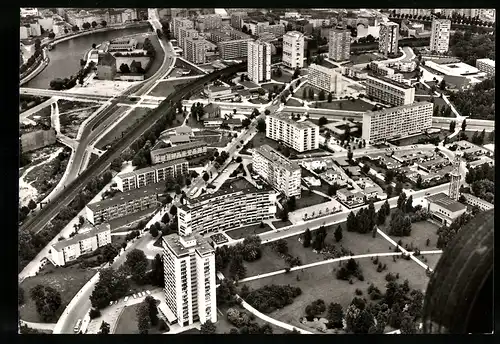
column 397, row 122
column 88, row 240
column 211, row 111
column 190, row 285
column 123, row 44
column 350, row 198
column 486, row 65
column 151, row 175
column 106, row 67
column 389, row 91
column 226, row 209
column 218, row 92
column 382, row 69
column 213, row 122
column 301, row 136
column 278, row 171
column 444, row 209
column 178, row 152
column 179, row 139
column 476, row 201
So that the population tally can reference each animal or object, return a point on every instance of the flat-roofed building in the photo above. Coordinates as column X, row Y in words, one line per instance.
column 181, row 22
column 382, row 69
column 440, row 35
column 444, row 209
column 327, row 79
column 388, row 38
column 226, row 209
column 178, row 152
column 123, row 44
column 301, row 136
column 397, row 122
column 151, row 175
column 293, row 49
column 280, row 172
column 123, row 204
column 486, row 65
column 194, row 50
column 259, row 61
column 88, row 240
column 389, row 91
column 339, row 44
column 190, row 285
column 476, row 201
column 208, row 22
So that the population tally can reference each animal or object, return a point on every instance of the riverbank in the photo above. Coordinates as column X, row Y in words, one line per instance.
column 44, row 62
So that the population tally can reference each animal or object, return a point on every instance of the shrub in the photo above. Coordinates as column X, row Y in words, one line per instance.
column 350, row 281
column 359, row 292
column 390, row 277
column 94, row 313
column 162, row 326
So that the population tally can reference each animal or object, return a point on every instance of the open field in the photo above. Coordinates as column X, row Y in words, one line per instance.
column 165, row 88
column 347, row 105
column 364, row 58
column 248, row 230
column 285, row 77
column 320, row 283
column 42, row 115
column 270, row 261
column 117, row 132
column 93, row 158
column 432, row 260
column 300, row 93
column 184, row 65
column 70, row 105
column 269, row 87
column 260, row 139
column 414, row 139
column 67, row 281
column 307, row 199
column 71, row 120
column 127, row 322
column 293, row 102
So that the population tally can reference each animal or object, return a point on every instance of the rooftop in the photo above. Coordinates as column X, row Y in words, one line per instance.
column 58, row 246
column 106, row 59
column 218, row 89
column 249, row 84
column 183, row 129
column 124, row 197
column 300, row 125
column 181, row 147
column 152, row 168
column 446, row 202
column 176, row 244
column 397, row 108
column 487, row 61
column 372, row 76
column 294, row 34
column 210, row 108
column 179, row 139
column 271, row 154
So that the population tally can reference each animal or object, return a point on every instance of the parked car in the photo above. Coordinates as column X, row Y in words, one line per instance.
column 125, row 299
column 148, row 292
column 135, row 296
column 110, row 303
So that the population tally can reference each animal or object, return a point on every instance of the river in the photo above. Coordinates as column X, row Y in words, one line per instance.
column 65, row 57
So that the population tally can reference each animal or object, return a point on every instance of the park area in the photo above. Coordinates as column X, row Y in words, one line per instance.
column 66, row 280
column 223, row 326
column 285, row 76
column 320, row 282
column 346, row 105
column 166, row 88
column 308, row 199
column 243, row 232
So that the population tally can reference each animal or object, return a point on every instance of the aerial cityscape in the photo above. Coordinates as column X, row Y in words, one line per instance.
column 255, row 171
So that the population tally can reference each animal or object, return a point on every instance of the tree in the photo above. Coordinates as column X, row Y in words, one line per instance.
column 157, row 274
column 124, row 68
column 389, row 191
column 399, row 188
column 153, row 231
column 409, row 205
column 206, row 177
column 173, row 210
column 75, row 28
column 208, row 327
column 20, row 295
column 236, row 269
column 104, row 23
column 401, row 201
column 32, row 205
column 335, row 315
column 261, row 125
column 338, row 233
column 349, row 155
column 452, row 126
column 94, row 24
column 322, row 121
column 109, row 252
column 442, row 85
column 47, row 301
column 381, row 216
column 311, row 94
column 152, row 310
column 330, row 97
column 389, row 176
column 351, row 222
column 105, row 328
column 52, row 35
column 307, row 238
column 246, row 122
column 137, row 262
column 321, row 95
column 464, row 125
column 143, row 319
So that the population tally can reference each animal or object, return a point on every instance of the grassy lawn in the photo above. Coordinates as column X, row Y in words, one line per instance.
column 128, row 222
column 70, row 105
column 432, row 260
column 269, row 262
column 224, row 326
column 184, row 65
column 320, row 283
column 281, row 224
column 248, row 230
column 270, row 86
column 127, row 322
column 127, row 122
column 258, row 101
column 307, row 199
column 285, row 77
column 293, row 102
column 260, row 139
column 165, row 88
column 414, row 139
column 348, row 105
column 364, row 58
column 300, row 92
column 67, row 281
column 93, row 158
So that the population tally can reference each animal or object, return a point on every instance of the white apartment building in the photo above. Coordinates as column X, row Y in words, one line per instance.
column 178, row 152
column 388, row 38
column 293, row 49
column 194, row 50
column 301, row 136
column 486, row 65
column 381, row 69
column 190, row 289
column 397, row 122
column 259, row 61
column 327, row 79
column 339, row 44
column 476, row 201
column 180, row 22
column 150, row 175
column 440, row 35
column 389, row 91
column 88, row 240
column 281, row 173
column 226, row 209
column 208, row 22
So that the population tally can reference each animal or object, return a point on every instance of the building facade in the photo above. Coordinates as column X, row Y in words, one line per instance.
column 233, row 49
column 259, row 61
column 126, row 44
column 389, row 91
column 208, row 22
column 444, row 209
column 190, row 286
column 327, row 79
column 195, row 51
column 293, row 49
column 151, row 175
column 475, row 201
column 486, row 65
column 283, row 174
column 301, row 136
column 388, row 38
column 178, row 23
column 106, row 66
column 178, row 152
column 397, row 122
column 339, row 45
column 226, row 209
column 124, row 204
column 440, row 35
column 381, row 69
column 89, row 240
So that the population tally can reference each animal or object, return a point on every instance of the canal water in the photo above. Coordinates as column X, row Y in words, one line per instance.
column 65, row 57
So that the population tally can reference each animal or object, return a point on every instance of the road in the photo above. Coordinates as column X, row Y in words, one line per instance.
column 83, row 304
